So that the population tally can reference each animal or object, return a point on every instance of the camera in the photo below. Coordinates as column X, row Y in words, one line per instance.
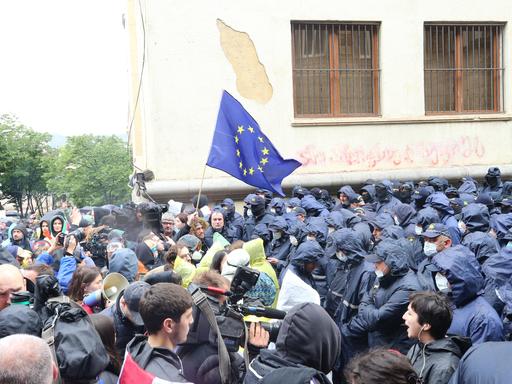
column 230, row 315
column 60, row 239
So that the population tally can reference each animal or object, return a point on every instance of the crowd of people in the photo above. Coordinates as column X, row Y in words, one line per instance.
column 394, row 282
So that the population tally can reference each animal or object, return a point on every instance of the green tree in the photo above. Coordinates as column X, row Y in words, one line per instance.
column 92, row 170
column 24, row 156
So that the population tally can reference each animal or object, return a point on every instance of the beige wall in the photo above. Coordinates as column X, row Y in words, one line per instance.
column 191, row 57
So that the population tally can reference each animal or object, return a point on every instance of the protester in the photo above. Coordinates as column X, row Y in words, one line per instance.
column 11, row 281
column 26, row 359
column 85, row 280
column 307, row 347
column 166, row 310
column 125, row 313
column 380, row 366
column 434, row 357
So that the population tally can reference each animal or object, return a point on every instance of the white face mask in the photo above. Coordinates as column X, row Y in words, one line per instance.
column 341, row 256
column 395, row 219
column 418, row 229
column 442, row 283
column 462, row 226
column 249, row 213
column 288, row 209
column 293, row 241
column 429, row 249
column 331, row 230
column 310, row 238
column 379, row 273
column 277, row 235
column 273, row 210
column 509, row 244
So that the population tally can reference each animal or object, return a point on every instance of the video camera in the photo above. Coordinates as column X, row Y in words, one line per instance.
column 230, row 315
column 96, row 244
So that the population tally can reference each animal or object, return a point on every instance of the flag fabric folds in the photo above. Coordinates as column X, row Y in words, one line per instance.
column 240, row 149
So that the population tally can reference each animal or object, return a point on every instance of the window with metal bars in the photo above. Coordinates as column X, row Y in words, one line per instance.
column 463, row 68
column 335, row 69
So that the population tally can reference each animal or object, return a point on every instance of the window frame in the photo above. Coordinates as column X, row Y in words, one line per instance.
column 335, row 70
column 497, row 68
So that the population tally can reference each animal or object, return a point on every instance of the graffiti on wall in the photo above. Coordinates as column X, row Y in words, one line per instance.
column 463, row 149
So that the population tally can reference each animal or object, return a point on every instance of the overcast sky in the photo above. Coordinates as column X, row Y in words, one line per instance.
column 63, row 66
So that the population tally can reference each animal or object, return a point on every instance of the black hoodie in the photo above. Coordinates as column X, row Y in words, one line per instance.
column 308, row 338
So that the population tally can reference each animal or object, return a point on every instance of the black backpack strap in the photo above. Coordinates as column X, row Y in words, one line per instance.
column 201, row 302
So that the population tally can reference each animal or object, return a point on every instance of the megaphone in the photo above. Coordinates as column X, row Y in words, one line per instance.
column 113, row 284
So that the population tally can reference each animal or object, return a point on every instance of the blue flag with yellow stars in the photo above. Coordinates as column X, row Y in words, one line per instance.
column 240, row 148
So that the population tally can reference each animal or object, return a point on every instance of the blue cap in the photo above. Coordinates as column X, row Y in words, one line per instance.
column 436, row 229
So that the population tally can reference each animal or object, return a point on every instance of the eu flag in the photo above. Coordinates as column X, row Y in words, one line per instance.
column 240, row 148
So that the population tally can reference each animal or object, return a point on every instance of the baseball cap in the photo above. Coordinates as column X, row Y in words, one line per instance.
column 436, row 229
column 422, row 192
column 299, row 211
column 132, row 295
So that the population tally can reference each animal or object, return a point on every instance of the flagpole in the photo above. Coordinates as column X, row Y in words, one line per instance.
column 200, row 189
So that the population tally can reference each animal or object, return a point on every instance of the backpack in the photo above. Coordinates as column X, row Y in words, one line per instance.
column 76, row 346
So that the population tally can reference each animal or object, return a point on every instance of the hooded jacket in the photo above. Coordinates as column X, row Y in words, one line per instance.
column 124, row 261
column 259, row 262
column 161, row 362
column 307, row 252
column 441, row 204
column 232, row 217
column 473, row 316
column 406, row 217
column 380, row 312
column 24, row 242
column 436, row 361
column 313, row 207
column 388, row 203
column 487, row 363
column 308, row 338
column 481, row 244
column 279, row 248
column 497, row 270
column 347, row 280
column 476, row 217
column 426, row 216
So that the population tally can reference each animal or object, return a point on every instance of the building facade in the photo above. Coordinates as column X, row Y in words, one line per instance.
column 370, row 89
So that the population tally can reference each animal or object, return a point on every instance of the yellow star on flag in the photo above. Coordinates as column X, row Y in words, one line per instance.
column 265, row 151
column 260, row 139
column 240, row 164
column 251, row 129
column 264, row 161
column 245, row 172
column 251, row 171
column 238, row 153
column 236, row 139
column 240, row 129
column 260, row 169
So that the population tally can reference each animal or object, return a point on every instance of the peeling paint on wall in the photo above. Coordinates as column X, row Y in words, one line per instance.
column 251, row 78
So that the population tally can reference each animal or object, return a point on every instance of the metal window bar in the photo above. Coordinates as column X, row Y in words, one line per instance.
column 325, row 85
column 469, row 81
